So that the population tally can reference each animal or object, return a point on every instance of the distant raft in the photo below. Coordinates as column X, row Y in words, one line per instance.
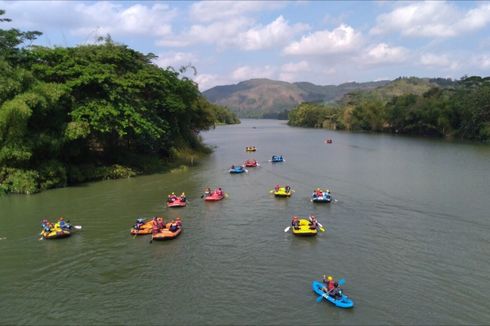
column 55, row 233
column 251, row 163
column 250, row 149
column 142, row 227
column 304, row 229
column 277, row 159
column 283, row 192
column 321, row 196
column 177, row 202
column 237, row 169
column 166, row 234
column 216, row 195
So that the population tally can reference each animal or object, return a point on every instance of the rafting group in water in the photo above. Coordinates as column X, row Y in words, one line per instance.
column 327, row 289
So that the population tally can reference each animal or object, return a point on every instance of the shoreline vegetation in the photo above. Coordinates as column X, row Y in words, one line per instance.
column 411, row 106
column 101, row 111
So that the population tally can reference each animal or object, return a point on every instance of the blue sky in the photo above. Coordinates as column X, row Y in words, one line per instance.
column 324, row 42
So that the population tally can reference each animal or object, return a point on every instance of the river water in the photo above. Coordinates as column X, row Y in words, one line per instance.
column 410, row 234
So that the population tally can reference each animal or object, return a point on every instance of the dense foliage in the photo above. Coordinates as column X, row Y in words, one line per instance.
column 95, row 111
column 460, row 110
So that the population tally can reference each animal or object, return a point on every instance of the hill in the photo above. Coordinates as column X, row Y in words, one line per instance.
column 257, row 98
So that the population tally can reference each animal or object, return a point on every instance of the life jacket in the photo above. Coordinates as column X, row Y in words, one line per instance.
column 330, row 285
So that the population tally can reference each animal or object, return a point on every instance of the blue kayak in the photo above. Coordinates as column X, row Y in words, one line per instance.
column 343, row 302
column 277, row 159
column 238, row 169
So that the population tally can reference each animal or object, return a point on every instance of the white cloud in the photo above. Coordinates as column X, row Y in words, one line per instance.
column 439, row 61
column 384, row 53
column 482, row 61
column 342, row 39
column 84, row 19
column 207, row 11
column 175, row 59
column 432, row 19
column 291, row 71
column 276, row 33
column 207, row 81
column 221, row 33
column 247, row 72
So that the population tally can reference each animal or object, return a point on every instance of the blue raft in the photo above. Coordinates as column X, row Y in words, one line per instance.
column 324, row 198
column 343, row 302
column 238, row 169
column 277, row 159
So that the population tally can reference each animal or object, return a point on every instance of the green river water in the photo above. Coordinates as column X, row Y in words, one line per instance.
column 410, row 234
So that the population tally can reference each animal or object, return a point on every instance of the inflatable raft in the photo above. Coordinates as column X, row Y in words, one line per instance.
column 281, row 192
column 166, row 234
column 55, row 234
column 143, row 229
column 178, row 202
column 303, row 229
column 321, row 196
column 251, row 163
column 277, row 159
column 342, row 302
column 214, row 197
column 237, row 169
column 250, row 149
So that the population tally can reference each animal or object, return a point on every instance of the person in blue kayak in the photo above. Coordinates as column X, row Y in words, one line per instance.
column 332, row 287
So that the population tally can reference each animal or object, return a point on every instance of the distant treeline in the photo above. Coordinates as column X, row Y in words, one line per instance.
column 459, row 109
column 69, row 115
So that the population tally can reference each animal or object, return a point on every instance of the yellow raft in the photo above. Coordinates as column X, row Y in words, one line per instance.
column 55, row 234
column 250, row 149
column 281, row 192
column 304, row 229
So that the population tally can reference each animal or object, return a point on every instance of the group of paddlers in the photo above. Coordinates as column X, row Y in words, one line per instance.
column 313, row 224
column 158, row 224
column 218, row 191
column 172, row 197
column 61, row 224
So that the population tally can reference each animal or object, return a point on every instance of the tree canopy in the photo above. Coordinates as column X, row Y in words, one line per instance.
column 97, row 106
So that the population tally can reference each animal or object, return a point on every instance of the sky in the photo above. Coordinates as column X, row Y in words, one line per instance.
column 323, row 42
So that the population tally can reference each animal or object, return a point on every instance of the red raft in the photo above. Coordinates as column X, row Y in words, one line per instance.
column 215, row 196
column 177, row 202
column 251, row 163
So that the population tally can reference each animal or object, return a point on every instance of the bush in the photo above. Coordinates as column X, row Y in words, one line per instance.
column 19, row 181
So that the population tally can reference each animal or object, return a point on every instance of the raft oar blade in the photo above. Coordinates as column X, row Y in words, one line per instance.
column 287, row 229
column 78, row 227
column 320, row 298
column 341, row 281
column 322, row 230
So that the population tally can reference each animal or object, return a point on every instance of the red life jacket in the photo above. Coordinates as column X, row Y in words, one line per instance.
column 330, row 285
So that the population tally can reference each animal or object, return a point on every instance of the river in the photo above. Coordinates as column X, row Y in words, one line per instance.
column 410, row 234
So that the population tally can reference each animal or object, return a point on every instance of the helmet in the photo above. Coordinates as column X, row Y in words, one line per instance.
column 173, row 193
column 62, row 218
column 45, row 221
column 330, row 278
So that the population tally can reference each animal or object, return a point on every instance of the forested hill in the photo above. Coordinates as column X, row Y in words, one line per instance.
column 69, row 115
column 257, row 98
column 436, row 107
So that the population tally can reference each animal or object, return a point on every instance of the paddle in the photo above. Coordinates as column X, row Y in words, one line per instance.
column 287, row 229
column 321, row 226
column 226, row 195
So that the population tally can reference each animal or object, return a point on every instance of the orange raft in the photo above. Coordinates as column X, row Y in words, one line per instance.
column 166, row 234
column 143, row 229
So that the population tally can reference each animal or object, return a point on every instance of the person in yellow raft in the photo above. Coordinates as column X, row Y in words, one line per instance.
column 61, row 224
